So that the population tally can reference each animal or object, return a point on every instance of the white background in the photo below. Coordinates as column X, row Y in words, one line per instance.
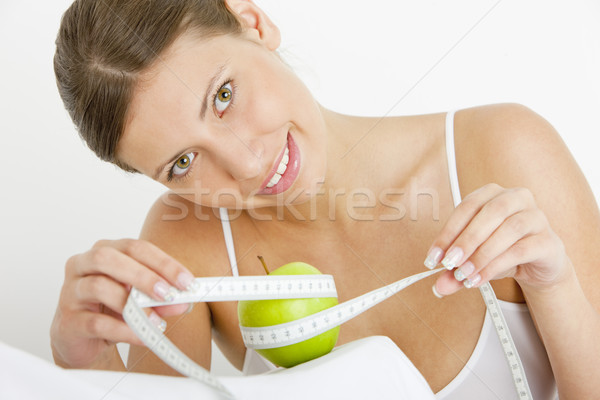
column 358, row 57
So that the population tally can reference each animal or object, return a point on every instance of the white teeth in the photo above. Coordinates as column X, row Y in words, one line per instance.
column 283, row 165
column 274, row 180
column 280, row 169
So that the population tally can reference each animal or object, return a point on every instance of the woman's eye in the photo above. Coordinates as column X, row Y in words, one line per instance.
column 223, row 97
column 183, row 164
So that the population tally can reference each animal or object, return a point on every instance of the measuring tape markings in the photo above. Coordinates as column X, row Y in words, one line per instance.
column 506, row 341
column 233, row 288
column 160, row 345
column 284, row 287
column 310, row 326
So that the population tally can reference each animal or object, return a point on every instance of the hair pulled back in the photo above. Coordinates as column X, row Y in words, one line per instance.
column 102, row 46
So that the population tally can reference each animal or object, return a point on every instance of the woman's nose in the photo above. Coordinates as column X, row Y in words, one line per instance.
column 241, row 157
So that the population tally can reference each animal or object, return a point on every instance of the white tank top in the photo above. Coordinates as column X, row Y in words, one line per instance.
column 486, row 374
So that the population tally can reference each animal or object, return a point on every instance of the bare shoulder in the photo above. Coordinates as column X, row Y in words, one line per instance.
column 189, row 232
column 513, row 146
column 495, row 139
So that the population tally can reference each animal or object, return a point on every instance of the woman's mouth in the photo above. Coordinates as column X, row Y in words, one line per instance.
column 285, row 171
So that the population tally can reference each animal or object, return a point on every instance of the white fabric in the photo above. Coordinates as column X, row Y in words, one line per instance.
column 486, row 374
column 348, row 372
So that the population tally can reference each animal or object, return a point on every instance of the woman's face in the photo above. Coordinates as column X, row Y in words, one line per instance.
column 224, row 123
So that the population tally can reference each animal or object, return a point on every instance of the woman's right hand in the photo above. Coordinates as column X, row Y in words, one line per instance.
column 88, row 321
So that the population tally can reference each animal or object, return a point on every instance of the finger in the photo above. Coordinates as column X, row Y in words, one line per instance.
column 100, row 289
column 457, row 222
column 492, row 215
column 173, row 309
column 524, row 251
column 505, row 265
column 102, row 326
column 154, row 258
column 497, row 257
column 111, row 262
column 513, row 229
column 446, row 284
column 476, row 228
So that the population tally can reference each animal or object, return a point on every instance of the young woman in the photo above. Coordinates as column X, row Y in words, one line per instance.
column 194, row 95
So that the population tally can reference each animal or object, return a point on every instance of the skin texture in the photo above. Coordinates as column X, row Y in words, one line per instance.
column 528, row 221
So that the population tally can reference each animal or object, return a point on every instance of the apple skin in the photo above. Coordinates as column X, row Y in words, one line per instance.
column 257, row 313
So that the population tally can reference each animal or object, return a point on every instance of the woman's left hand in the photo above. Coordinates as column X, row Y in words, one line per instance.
column 496, row 233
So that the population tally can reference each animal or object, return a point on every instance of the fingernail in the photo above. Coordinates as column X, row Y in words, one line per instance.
column 436, row 293
column 164, row 291
column 158, row 321
column 433, row 257
column 186, row 281
column 469, row 283
column 452, row 258
column 190, row 308
column 465, row 270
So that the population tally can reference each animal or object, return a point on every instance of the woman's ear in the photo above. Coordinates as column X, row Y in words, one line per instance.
column 253, row 18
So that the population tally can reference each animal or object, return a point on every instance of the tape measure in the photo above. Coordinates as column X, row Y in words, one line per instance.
column 508, row 345
column 286, row 287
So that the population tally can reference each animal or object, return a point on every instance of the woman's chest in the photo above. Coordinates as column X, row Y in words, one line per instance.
column 438, row 335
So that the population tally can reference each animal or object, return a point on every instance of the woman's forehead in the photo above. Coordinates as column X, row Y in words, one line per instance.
column 167, row 95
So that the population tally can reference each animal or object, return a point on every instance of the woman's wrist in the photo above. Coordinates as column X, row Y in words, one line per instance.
column 565, row 282
column 554, row 305
column 109, row 360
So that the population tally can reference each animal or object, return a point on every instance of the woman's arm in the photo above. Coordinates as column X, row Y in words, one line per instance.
column 569, row 326
column 538, row 223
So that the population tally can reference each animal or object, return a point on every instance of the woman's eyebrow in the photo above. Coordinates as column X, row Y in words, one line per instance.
column 211, row 83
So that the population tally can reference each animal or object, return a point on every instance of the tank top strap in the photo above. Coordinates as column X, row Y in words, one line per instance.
column 451, row 158
column 228, row 240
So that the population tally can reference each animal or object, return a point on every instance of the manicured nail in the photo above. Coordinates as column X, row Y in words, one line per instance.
column 433, row 257
column 465, row 270
column 452, row 258
column 190, row 308
column 469, row 283
column 164, row 291
column 158, row 321
column 186, row 281
column 436, row 293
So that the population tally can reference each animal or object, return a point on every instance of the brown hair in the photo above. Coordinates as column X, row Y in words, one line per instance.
column 102, row 47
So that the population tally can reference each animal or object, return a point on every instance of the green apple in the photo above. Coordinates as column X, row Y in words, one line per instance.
column 258, row 313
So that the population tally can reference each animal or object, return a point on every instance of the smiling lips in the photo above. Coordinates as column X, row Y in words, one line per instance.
column 285, row 171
